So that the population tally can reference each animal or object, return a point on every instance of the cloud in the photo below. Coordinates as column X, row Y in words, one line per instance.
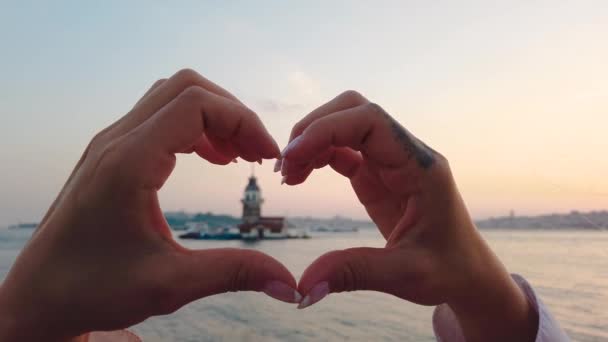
column 275, row 106
column 300, row 92
column 303, row 84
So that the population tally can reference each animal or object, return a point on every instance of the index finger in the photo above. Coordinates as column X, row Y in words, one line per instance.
column 366, row 128
column 347, row 99
column 150, row 148
column 196, row 111
column 161, row 93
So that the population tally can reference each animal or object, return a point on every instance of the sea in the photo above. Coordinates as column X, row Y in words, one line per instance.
column 568, row 269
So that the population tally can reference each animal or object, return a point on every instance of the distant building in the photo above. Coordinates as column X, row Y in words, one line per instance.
column 254, row 225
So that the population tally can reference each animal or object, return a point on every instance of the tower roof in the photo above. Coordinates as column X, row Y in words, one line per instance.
column 252, row 185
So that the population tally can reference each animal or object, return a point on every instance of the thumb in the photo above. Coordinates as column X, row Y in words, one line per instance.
column 202, row 273
column 377, row 269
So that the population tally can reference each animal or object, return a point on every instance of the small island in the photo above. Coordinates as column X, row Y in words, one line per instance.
column 594, row 220
column 252, row 226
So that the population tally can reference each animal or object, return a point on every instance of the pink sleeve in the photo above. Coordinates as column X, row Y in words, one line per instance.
column 113, row 336
column 447, row 329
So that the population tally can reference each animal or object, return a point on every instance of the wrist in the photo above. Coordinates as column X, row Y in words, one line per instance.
column 491, row 306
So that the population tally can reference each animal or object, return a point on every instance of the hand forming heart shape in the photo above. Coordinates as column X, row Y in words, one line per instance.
column 103, row 257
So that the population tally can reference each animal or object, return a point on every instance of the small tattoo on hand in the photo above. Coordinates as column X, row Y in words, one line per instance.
column 425, row 156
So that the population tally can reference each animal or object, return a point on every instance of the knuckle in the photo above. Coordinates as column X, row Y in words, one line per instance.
column 105, row 171
column 375, row 108
column 97, row 141
column 350, row 272
column 239, row 277
column 111, row 158
column 117, row 153
column 159, row 82
column 242, row 272
column 444, row 169
column 353, row 97
column 114, row 150
column 100, row 139
column 297, row 129
column 354, row 271
column 443, row 161
column 187, row 77
column 191, row 94
column 314, row 126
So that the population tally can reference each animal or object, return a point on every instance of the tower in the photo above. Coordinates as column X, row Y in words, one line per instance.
column 254, row 226
column 252, row 201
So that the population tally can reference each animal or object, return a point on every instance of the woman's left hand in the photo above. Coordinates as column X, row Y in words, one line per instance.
column 433, row 252
column 103, row 258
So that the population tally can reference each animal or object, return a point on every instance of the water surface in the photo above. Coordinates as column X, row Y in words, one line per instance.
column 569, row 269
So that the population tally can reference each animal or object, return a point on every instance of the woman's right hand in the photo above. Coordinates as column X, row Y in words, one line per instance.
column 433, row 252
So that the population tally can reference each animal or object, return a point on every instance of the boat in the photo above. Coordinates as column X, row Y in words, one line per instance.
column 334, row 229
column 264, row 233
column 23, row 226
column 202, row 231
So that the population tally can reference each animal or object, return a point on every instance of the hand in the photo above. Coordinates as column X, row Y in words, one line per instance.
column 103, row 257
column 433, row 252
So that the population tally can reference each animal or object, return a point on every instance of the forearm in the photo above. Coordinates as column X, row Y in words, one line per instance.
column 492, row 307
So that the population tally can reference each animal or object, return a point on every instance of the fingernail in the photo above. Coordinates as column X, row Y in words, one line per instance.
column 291, row 145
column 317, row 293
column 277, row 165
column 283, row 180
column 284, row 166
column 235, row 161
column 281, row 291
column 260, row 161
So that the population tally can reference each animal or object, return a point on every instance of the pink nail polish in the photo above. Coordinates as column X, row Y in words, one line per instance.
column 281, row 291
column 318, row 292
column 277, row 165
column 284, row 166
column 291, row 145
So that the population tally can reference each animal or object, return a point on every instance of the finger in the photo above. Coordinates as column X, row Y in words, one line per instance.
column 379, row 204
column 161, row 95
column 196, row 111
column 149, row 91
column 149, row 150
column 375, row 269
column 347, row 99
column 297, row 178
column 290, row 167
column 345, row 161
column 370, row 191
column 225, row 147
column 366, row 128
column 204, row 273
column 295, row 173
column 207, row 151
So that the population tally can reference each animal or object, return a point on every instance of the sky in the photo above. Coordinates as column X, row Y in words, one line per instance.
column 513, row 93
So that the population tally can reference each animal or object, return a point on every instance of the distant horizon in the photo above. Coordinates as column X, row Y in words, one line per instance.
column 507, row 214
column 582, row 212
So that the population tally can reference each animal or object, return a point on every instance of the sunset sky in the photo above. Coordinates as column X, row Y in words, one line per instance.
column 514, row 93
